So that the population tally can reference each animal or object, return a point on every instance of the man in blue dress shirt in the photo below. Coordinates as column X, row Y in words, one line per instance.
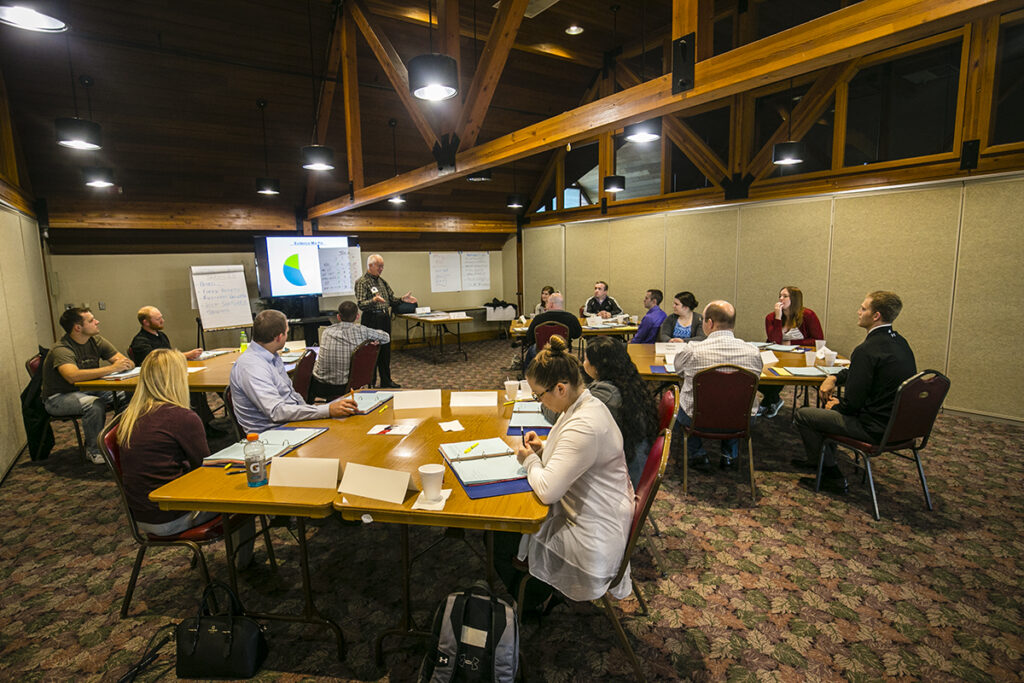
column 647, row 333
column 261, row 390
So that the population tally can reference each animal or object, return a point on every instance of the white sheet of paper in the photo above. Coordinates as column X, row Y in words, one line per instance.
column 666, row 348
column 313, row 473
column 396, row 430
column 191, row 369
column 426, row 398
column 768, row 357
column 421, row 504
column 453, row 426
column 526, row 407
column 423, row 309
column 463, row 399
column 374, row 482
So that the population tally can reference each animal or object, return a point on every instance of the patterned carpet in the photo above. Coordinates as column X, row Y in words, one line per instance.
column 798, row 587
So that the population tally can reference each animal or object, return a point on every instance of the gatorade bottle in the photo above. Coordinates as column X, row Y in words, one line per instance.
column 243, row 342
column 255, row 468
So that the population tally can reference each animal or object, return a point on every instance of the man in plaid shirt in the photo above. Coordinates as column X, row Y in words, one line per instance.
column 331, row 372
column 375, row 300
column 720, row 347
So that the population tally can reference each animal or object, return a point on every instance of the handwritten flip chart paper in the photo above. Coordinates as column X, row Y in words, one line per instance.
column 222, row 297
column 445, row 271
column 335, row 271
column 476, row 270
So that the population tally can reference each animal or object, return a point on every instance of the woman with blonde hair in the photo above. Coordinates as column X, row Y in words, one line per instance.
column 580, row 472
column 791, row 324
column 160, row 439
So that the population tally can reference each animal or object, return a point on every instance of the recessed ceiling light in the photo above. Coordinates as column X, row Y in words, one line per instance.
column 574, row 30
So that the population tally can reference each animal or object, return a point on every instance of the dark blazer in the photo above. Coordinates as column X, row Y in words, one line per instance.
column 696, row 327
column 564, row 317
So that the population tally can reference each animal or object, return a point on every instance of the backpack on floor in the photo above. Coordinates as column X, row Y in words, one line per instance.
column 475, row 638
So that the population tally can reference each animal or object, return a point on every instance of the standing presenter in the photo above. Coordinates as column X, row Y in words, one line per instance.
column 376, row 300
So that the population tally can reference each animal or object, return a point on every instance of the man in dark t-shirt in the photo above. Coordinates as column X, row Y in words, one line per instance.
column 81, row 355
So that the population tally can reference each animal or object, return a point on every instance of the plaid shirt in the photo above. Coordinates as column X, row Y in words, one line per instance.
column 336, row 347
column 364, row 295
column 721, row 347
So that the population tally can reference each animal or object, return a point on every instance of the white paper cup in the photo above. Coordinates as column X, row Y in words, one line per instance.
column 511, row 389
column 830, row 358
column 819, row 344
column 810, row 357
column 524, row 387
column 432, row 476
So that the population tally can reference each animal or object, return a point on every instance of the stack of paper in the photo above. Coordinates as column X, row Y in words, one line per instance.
column 207, row 355
column 483, row 462
column 526, row 420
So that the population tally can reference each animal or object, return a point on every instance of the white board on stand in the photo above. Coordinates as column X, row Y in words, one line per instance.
column 221, row 295
column 476, row 270
column 339, row 269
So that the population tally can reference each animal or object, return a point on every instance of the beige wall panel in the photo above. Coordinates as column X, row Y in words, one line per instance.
column 509, row 271
column 543, row 262
column 781, row 243
column 588, row 253
column 902, row 241
column 701, row 255
column 39, row 302
column 984, row 355
column 637, row 260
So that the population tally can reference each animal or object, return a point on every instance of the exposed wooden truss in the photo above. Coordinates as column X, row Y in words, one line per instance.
column 862, row 28
column 325, row 102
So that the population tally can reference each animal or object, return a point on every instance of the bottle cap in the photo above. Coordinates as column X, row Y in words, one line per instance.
column 252, row 437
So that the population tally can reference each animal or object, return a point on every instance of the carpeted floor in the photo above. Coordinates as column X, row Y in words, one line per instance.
column 800, row 586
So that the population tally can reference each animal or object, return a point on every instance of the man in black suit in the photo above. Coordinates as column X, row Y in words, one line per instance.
column 555, row 313
column 878, row 367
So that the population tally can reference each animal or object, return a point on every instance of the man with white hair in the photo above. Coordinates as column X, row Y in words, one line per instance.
column 376, row 300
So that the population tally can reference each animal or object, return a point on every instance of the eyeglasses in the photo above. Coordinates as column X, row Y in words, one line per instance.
column 536, row 396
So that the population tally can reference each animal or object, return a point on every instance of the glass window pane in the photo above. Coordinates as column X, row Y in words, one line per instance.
column 640, row 164
column 772, row 111
column 1008, row 109
column 713, row 129
column 904, row 108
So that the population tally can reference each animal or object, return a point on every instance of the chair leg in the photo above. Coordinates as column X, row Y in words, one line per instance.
column 659, row 561
column 753, row 487
column 42, row 435
column 265, row 528
column 521, row 596
column 81, row 444
column 204, row 571
column 639, row 596
column 609, row 609
column 686, row 460
column 871, row 484
column 131, row 581
column 821, row 464
column 924, row 483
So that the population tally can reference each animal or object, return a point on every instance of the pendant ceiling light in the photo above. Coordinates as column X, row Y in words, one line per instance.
column 514, row 200
column 397, row 199
column 266, row 185
column 614, row 183
column 789, row 153
column 644, row 131
column 433, row 76
column 77, row 133
column 98, row 177
column 315, row 157
column 483, row 176
column 30, row 20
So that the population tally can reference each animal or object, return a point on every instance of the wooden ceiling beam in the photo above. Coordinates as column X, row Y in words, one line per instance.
column 499, row 42
column 350, row 97
column 803, row 116
column 411, row 221
column 393, row 67
column 328, row 84
column 860, row 29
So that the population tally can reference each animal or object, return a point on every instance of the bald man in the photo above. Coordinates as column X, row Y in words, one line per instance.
column 375, row 299
column 720, row 347
column 151, row 336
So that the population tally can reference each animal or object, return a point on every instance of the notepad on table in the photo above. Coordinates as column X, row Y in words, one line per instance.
column 768, row 357
column 276, row 442
column 529, row 421
column 367, row 401
column 526, row 407
column 207, row 355
column 809, row 371
column 124, row 374
column 482, row 462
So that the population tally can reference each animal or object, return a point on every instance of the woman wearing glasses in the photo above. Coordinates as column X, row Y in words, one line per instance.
column 580, row 472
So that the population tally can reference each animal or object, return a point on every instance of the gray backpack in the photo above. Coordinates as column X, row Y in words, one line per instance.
column 475, row 638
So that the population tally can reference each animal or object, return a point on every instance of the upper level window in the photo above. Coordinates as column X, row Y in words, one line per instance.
column 1008, row 107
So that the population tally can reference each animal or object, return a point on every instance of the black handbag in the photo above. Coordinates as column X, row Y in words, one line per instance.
column 212, row 645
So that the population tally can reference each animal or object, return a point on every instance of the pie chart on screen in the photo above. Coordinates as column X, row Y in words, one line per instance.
column 291, row 271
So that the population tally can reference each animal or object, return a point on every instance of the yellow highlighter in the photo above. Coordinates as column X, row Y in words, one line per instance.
column 382, row 409
column 471, row 447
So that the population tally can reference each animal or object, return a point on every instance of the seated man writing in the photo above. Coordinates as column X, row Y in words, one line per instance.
column 81, row 355
column 261, row 390
column 331, row 372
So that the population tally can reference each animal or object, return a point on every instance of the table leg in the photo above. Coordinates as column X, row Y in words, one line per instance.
column 405, row 628
column 458, row 336
column 310, row 613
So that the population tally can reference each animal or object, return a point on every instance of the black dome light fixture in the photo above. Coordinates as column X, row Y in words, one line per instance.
column 614, row 183
column 789, row 153
column 643, row 131
column 315, row 157
column 266, row 185
column 514, row 200
column 20, row 16
column 398, row 199
column 483, row 176
column 433, row 77
column 77, row 133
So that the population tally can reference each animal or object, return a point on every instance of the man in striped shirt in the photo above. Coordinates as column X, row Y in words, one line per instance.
column 720, row 347
column 332, row 369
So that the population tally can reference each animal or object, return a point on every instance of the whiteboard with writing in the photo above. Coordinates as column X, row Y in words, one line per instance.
column 339, row 270
column 476, row 270
column 221, row 296
column 445, row 271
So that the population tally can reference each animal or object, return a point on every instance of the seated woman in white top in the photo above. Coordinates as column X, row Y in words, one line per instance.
column 580, row 472
column 545, row 292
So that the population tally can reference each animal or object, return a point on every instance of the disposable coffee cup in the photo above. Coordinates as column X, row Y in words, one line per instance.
column 432, row 476
column 810, row 357
column 819, row 344
column 830, row 358
column 511, row 389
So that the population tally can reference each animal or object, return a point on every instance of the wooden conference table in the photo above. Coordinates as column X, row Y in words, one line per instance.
column 644, row 357
column 347, row 441
column 439, row 321
column 517, row 329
